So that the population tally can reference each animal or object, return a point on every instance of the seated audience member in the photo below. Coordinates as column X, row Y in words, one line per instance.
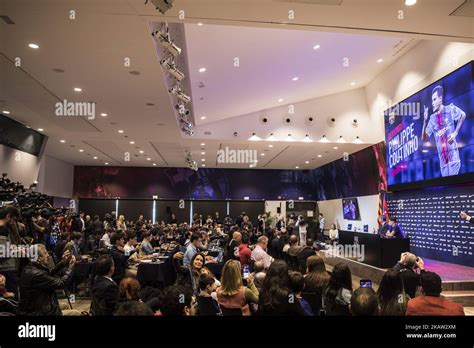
column 304, row 253
column 177, row 301
column 407, row 268
column 296, row 287
column 105, row 240
column 192, row 248
column 260, row 252
column 316, row 279
column 73, row 246
column 130, row 247
column 244, row 251
column 339, row 291
column 391, row 294
column 294, row 248
column 232, row 293
column 133, row 308
column 333, row 234
column 38, row 284
column 276, row 297
column 430, row 303
column 120, row 260
column 258, row 274
column 207, row 288
column 232, row 252
column 145, row 246
column 364, row 302
column 105, row 293
column 129, row 290
column 189, row 276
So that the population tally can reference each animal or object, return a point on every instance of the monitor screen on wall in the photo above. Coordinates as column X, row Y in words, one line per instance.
column 15, row 135
column 350, row 209
column 430, row 135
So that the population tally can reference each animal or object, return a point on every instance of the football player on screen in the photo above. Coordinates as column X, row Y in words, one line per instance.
column 444, row 123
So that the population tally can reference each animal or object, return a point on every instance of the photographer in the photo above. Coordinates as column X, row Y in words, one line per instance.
column 407, row 267
column 9, row 216
column 38, row 284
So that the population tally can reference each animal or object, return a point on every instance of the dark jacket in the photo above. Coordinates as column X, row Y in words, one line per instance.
column 105, row 296
column 411, row 279
column 121, row 264
column 303, row 255
column 38, row 287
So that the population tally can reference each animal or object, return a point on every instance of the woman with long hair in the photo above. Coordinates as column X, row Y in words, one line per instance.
column 276, row 297
column 391, row 294
column 339, row 291
column 121, row 224
column 316, row 278
column 232, row 293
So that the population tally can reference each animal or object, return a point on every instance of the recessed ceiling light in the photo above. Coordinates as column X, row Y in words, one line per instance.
column 316, row 47
column 202, row 144
column 307, row 162
column 203, row 153
column 81, row 150
column 40, row 129
column 203, row 159
column 335, row 147
column 202, row 70
column 297, row 167
column 103, row 114
column 203, row 165
column 280, row 100
column 271, row 138
column 200, row 24
column 62, row 141
column 106, row 163
column 324, row 139
column 270, row 145
column 154, row 164
column 262, row 154
column 141, row 151
column 254, row 137
column 410, row 2
column 33, row 45
column 295, row 78
column 307, row 139
column 95, row 157
column 353, row 83
column 132, row 142
column 320, row 156
column 77, row 89
column 379, row 60
column 148, row 159
column 424, row 151
column 203, row 117
column 120, row 131
column 6, row 112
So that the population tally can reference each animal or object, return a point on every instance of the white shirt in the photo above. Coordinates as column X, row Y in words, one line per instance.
column 106, row 239
column 259, row 254
column 333, row 234
column 321, row 224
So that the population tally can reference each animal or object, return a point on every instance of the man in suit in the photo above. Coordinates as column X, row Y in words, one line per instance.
column 304, row 253
column 104, row 291
column 431, row 303
column 467, row 217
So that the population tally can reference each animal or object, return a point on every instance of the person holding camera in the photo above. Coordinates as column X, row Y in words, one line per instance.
column 9, row 216
column 407, row 267
column 38, row 284
column 466, row 217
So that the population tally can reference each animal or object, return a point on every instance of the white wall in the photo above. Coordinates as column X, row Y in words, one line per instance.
column 271, row 206
column 332, row 211
column 55, row 177
column 20, row 166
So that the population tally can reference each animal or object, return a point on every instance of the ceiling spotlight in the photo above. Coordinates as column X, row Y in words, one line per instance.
column 81, row 150
column 141, row 151
column 324, row 139
column 280, row 100
column 357, row 140
column 95, row 157
column 379, row 60
column 307, row 139
column 335, row 148
column 120, row 131
column 203, row 165
column 202, row 70
column 410, row 2
column 297, row 167
column 200, row 24
column 295, row 78
column 254, row 137
column 33, row 45
column 203, row 117
column 341, row 140
column 163, row 39
column 62, row 141
column 270, row 145
column 307, row 162
column 162, row 5
column 170, row 66
column 190, row 162
column 316, row 47
column 6, row 112
column 271, row 138
column 148, row 159
column 154, row 164
column 289, row 138
column 103, row 114
column 353, row 83
column 77, row 89
column 203, row 153
column 106, row 163
column 319, row 156
column 132, row 142
column 179, row 93
column 40, row 129
column 262, row 154
column 203, row 160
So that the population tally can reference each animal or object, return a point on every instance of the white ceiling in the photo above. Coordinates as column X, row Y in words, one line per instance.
column 91, row 50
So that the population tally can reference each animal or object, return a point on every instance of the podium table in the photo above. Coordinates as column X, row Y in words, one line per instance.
column 378, row 252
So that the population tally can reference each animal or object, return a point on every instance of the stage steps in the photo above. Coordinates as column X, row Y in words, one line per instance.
column 464, row 298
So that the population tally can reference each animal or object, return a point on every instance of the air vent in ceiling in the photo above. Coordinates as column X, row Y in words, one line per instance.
column 7, row 19
column 465, row 10
column 313, row 2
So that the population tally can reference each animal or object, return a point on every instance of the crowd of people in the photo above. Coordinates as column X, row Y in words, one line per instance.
column 265, row 271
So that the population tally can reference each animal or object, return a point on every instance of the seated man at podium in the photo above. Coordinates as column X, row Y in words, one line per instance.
column 394, row 230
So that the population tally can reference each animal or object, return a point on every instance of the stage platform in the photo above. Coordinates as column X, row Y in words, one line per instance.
column 458, row 281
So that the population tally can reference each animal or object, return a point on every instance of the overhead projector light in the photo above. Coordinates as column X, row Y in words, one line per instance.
column 169, row 65
column 176, row 91
column 162, row 5
column 165, row 42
